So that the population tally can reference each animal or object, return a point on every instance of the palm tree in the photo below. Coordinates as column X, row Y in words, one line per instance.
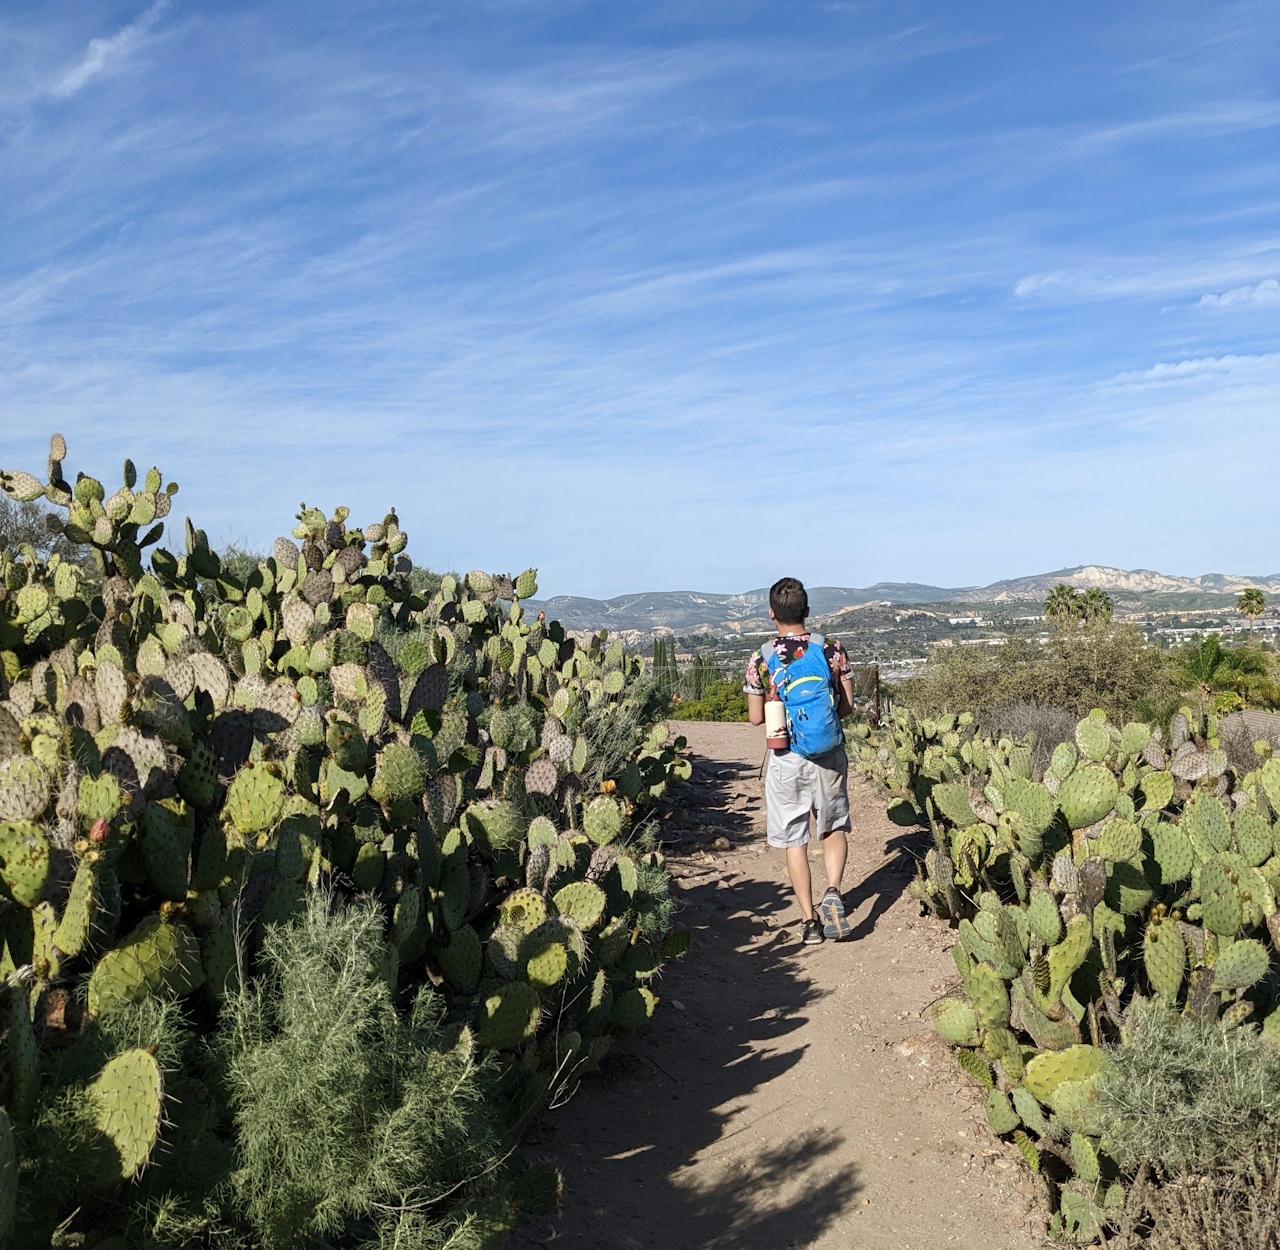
column 1251, row 605
column 1097, row 606
column 1062, row 604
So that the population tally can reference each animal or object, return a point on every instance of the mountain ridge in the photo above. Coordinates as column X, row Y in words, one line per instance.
column 693, row 612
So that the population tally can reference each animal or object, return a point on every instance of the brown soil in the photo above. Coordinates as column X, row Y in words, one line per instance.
column 784, row 1096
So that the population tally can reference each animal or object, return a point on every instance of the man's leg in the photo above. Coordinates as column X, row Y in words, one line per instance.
column 801, row 881
column 835, row 851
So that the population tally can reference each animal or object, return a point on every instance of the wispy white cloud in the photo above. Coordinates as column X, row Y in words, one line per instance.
column 1266, row 294
column 104, row 53
column 379, row 253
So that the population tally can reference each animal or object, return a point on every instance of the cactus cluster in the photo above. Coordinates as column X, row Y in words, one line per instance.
column 185, row 751
column 1134, row 865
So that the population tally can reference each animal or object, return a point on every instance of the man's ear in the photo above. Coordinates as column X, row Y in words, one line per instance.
column 773, row 618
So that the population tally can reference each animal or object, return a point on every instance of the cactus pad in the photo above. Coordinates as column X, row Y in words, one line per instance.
column 1087, row 795
column 1093, row 740
column 952, row 800
column 126, row 1102
column 509, row 1016
column 503, row 951
column 1157, row 791
column 1119, row 840
column 1219, row 900
column 541, row 777
column 611, row 943
column 1046, row 1071
column 1069, row 954
column 495, row 824
column 989, row 996
column 1128, row 890
column 1165, row 955
column 1000, row 1115
column 1085, row 1158
column 1172, row 852
column 1044, row 918
column 254, row 799
column 955, row 1021
column 523, row 909
column 8, row 1176
column 24, row 788
column 1206, row 816
column 198, row 776
column 1240, row 965
column 99, row 798
column 632, row 1009
column 1063, row 761
column 676, row 944
column 166, row 850
column 1253, row 836
column 460, row 961
column 455, row 889
column 401, row 768
column 1134, row 737
column 77, row 916
column 602, row 819
column 546, row 966
column 582, row 902
column 24, row 861
column 156, row 958
column 1029, row 1111
column 976, row 1067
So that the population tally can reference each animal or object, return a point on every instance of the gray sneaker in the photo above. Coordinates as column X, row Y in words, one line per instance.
column 834, row 922
column 811, row 933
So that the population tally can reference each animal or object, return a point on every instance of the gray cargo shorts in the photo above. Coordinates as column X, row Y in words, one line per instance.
column 795, row 786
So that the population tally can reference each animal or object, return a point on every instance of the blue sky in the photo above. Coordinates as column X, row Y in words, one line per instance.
column 660, row 295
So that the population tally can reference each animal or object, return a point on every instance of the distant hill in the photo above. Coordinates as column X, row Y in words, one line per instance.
column 1116, row 582
column 693, row 612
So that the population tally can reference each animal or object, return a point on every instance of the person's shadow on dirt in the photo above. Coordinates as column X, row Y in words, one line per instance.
column 676, row 1095
column 888, row 883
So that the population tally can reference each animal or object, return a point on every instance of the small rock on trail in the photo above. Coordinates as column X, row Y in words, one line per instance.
column 797, row 1097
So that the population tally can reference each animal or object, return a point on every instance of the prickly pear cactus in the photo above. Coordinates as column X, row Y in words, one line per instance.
column 1138, row 863
column 194, row 743
column 127, row 1104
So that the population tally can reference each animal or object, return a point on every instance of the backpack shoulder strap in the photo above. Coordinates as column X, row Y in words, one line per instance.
column 817, row 640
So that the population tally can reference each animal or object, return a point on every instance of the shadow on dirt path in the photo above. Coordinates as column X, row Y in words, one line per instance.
column 783, row 1096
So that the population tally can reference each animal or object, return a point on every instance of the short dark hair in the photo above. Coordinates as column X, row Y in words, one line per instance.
column 788, row 601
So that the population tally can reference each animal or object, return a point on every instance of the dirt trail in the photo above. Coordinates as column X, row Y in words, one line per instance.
column 784, row 1096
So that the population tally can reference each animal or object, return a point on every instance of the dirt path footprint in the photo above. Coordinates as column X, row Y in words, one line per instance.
column 784, row 1096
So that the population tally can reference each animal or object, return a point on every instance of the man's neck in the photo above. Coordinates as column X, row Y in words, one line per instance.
column 787, row 630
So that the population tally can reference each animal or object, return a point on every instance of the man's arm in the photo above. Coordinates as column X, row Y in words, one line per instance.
column 755, row 709
column 844, row 704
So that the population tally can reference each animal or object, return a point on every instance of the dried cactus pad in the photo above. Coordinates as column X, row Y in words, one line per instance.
column 126, row 1101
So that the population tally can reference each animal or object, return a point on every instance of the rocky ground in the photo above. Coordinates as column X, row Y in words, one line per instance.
column 784, row 1096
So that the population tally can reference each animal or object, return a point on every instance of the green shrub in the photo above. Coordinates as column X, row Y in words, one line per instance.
column 721, row 701
column 1191, row 1096
column 1105, row 666
column 344, row 1108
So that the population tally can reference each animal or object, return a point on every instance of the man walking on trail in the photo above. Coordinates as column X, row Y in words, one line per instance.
column 807, row 769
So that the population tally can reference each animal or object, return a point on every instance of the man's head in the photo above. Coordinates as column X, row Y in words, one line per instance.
column 788, row 602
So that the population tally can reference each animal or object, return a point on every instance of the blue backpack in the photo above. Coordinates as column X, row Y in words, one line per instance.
column 809, row 695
